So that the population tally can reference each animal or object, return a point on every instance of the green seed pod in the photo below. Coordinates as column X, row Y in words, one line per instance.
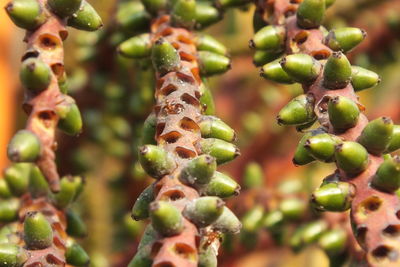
column 71, row 121
column 322, row 146
column 86, row 18
column 155, row 6
column 387, row 177
column 292, row 208
column 310, row 13
column 5, row 191
column 253, row 176
column 206, row 15
column 76, row 255
column 142, row 258
column 313, row 231
column 300, row 110
column 394, row 143
column 24, row 147
column 35, row 74
column 227, row 222
column 9, row 210
column 212, row 63
column 221, row 185
column 156, row 161
column 351, row 157
column 205, row 42
column 199, row 170
column 140, row 209
column 204, row 211
column 207, row 257
column 333, row 196
column 213, row 127
column 253, row 218
column 273, row 219
column 302, row 156
column 269, row 38
column 337, row 71
column 38, row 185
column 363, row 79
column 273, row 71
column 262, row 57
column 165, row 57
column 132, row 16
column 183, row 13
column 221, row 150
column 76, row 227
column 17, row 177
column 301, row 67
column 343, row 113
column 206, row 100
column 344, row 39
column 166, row 218
column 12, row 255
column 376, row 136
column 26, row 14
column 65, row 8
column 69, row 187
column 38, row 233
column 333, row 242
column 149, row 130
column 136, row 47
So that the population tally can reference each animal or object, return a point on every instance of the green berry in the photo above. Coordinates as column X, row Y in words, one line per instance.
column 310, row 13
column 25, row 146
column 333, row 196
column 394, row 143
column 273, row 219
column 199, row 170
column 333, row 242
column 227, row 222
column 166, row 218
column 322, row 146
column 206, row 100
column 140, row 209
column 9, row 210
column 155, row 6
column 344, row 39
column 351, row 157
column 212, row 63
column 221, row 185
column 207, row 257
column 149, row 130
column 17, row 177
column 204, row 211
column 343, row 113
column 363, row 79
column 35, row 74
column 298, row 111
column 253, row 218
column 12, row 255
column 76, row 255
column 253, row 176
column 69, row 188
column 313, row 231
column 269, row 38
column 86, row 18
column 302, row 156
column 292, row 208
column 206, row 15
column 273, row 71
column 262, row 57
column 183, row 13
column 38, row 233
column 27, row 14
column 213, row 127
column 38, row 185
column 387, row 177
column 221, row 150
column 156, row 161
column 337, row 71
column 376, row 136
column 164, row 56
column 136, row 47
column 302, row 68
column 65, row 8
column 205, row 42
column 5, row 191
column 71, row 121
column 76, row 227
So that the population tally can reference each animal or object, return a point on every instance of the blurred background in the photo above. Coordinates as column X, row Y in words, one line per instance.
column 115, row 96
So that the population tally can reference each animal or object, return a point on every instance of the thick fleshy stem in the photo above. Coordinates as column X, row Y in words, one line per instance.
column 374, row 213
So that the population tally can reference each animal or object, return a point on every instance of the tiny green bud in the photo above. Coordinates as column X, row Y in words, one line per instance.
column 253, row 176
column 212, row 63
column 149, row 130
column 11, row 255
column 333, row 196
column 38, row 185
column 343, row 113
column 64, row 8
column 183, row 13
column 313, row 231
column 351, row 157
column 344, row 39
column 376, row 136
column 269, row 38
column 221, row 185
column 302, row 68
column 227, row 222
column 76, row 255
column 24, row 147
column 322, row 146
column 310, row 13
column 166, row 218
column 302, row 156
column 132, row 16
column 262, row 57
column 253, row 218
column 17, row 177
column 35, row 74
column 9, row 210
column 299, row 111
column 394, row 143
column 205, row 42
column 165, row 57
column 69, row 188
column 221, row 150
column 204, row 211
column 292, row 208
column 337, row 71
column 27, row 14
column 156, row 161
column 333, row 242
column 199, row 170
column 155, row 6
column 38, row 233
column 273, row 71
column 71, row 121
column 76, row 227
column 132, row 227
column 86, row 18
column 387, row 177
column 206, row 15
column 206, row 100
column 273, row 219
column 213, row 127
column 140, row 209
column 296, row 239
column 136, row 47
column 362, row 78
